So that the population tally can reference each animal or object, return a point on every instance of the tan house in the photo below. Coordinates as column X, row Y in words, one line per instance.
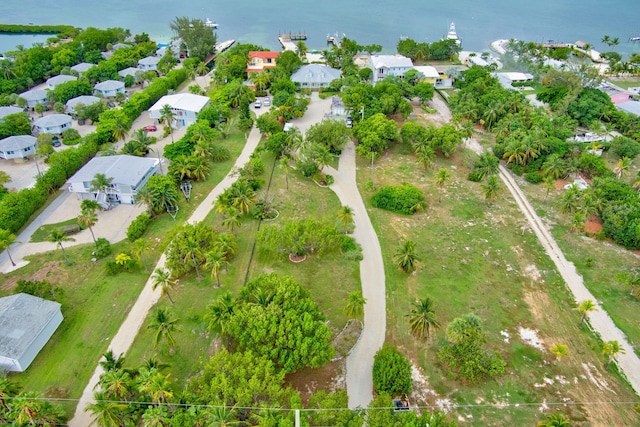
column 258, row 61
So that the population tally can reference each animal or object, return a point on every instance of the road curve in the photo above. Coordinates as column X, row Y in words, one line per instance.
column 359, row 376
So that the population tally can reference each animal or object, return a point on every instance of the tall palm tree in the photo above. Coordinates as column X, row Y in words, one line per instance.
column 116, row 384
column 442, row 178
column 141, row 247
column 570, row 200
column 165, row 326
column 57, row 237
column 422, row 318
column 560, row 350
column 167, row 115
column 215, row 262
column 106, row 412
column 88, row 219
column 425, row 155
column 192, row 251
column 405, row 257
column 219, row 313
column 611, row 349
column 284, row 164
column 163, row 279
column 155, row 385
column 345, row 216
column 231, row 219
column 491, row 188
column 199, row 168
column 584, row 308
column 355, row 305
column 120, row 129
column 110, row 362
column 6, row 240
column 622, row 167
column 100, row 184
column 302, row 49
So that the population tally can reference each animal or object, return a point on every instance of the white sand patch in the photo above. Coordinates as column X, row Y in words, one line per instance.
column 506, row 336
column 599, row 382
column 545, row 382
column 562, row 380
column 445, row 405
column 420, row 383
column 544, row 406
column 530, row 337
column 533, row 273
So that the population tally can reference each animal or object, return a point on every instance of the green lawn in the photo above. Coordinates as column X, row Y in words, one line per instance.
column 42, row 233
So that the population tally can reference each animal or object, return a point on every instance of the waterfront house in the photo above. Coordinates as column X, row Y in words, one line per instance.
column 82, row 67
column 28, row 322
column 129, row 174
column 508, row 79
column 35, row 96
column 258, row 61
column 476, row 60
column 432, row 75
column 109, row 88
column 174, row 46
column 17, row 147
column 6, row 111
column 53, row 123
column 82, row 99
column 150, row 63
column 388, row 65
column 315, row 76
column 185, row 106
column 57, row 80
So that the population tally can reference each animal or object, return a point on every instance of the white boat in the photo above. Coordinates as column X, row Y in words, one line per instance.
column 452, row 35
column 211, row 24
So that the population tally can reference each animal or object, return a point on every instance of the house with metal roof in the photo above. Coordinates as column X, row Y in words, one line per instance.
column 17, row 147
column 109, row 88
column 26, row 325
column 57, row 80
column 130, row 71
column 6, row 111
column 53, row 123
column 128, row 174
column 508, row 79
column 82, row 99
column 150, row 63
column 389, row 65
column 315, row 76
column 82, row 67
column 186, row 107
column 35, row 96
column 431, row 75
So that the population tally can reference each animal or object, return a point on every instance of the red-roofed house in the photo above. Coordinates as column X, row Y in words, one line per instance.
column 619, row 98
column 258, row 61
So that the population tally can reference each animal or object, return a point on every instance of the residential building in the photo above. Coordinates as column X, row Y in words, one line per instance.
column 17, row 147
column 150, row 63
column 131, row 71
column 82, row 67
column 109, row 88
column 508, row 79
column 53, row 123
column 433, row 76
column 82, row 99
column 389, row 65
column 6, row 111
column 128, row 174
column 174, row 46
column 35, row 96
column 258, row 61
column 315, row 76
column 56, row 80
column 28, row 322
column 185, row 106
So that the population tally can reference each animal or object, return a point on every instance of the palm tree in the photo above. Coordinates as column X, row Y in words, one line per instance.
column 491, row 188
column 284, row 164
column 355, row 306
column 120, row 129
column 8, row 389
column 425, row 155
column 549, row 186
column 302, row 49
column 215, row 261
column 405, row 256
column 611, row 349
column 165, row 326
column 345, row 216
column 141, row 247
column 555, row 420
column 192, row 251
column 606, row 40
column 100, row 184
column 106, row 412
column 88, row 219
column 167, row 115
column 622, row 167
column 577, row 222
column 422, row 318
column 155, row 385
column 560, row 350
column 111, row 363
column 570, row 200
column 442, row 178
column 57, row 237
column 116, row 384
column 219, row 313
column 163, row 279
column 6, row 240
column 199, row 168
column 231, row 219
column 554, row 167
column 584, row 308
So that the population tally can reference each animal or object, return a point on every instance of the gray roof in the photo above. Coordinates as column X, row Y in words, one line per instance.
column 22, row 319
column 632, row 107
column 131, row 71
column 391, row 61
column 5, row 111
column 82, row 99
column 82, row 67
column 315, row 73
column 127, row 170
column 34, row 95
column 52, row 120
column 17, row 143
column 62, row 78
column 149, row 60
column 109, row 85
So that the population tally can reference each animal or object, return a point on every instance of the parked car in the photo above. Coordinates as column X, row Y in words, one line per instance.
column 258, row 104
column 150, row 128
column 55, row 141
column 266, row 102
column 349, row 122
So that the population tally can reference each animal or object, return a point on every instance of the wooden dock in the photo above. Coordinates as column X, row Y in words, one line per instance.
column 293, row 36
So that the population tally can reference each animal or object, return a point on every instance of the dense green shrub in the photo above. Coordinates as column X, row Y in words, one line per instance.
column 16, row 208
column 622, row 146
column 534, row 177
column 103, row 248
column 391, row 372
column 138, row 226
column 40, row 288
column 405, row 199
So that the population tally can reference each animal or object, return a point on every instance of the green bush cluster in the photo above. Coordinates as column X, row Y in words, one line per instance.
column 103, row 248
column 405, row 199
column 391, row 372
column 138, row 226
column 40, row 288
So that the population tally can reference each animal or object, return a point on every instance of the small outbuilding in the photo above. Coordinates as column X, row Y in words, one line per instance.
column 109, row 88
column 26, row 325
column 17, row 147
column 53, row 123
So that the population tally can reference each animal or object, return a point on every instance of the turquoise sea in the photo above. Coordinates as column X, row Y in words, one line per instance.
column 478, row 22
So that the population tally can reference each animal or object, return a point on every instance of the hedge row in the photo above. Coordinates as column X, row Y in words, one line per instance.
column 405, row 199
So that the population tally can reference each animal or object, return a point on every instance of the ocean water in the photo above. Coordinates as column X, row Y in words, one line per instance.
column 478, row 22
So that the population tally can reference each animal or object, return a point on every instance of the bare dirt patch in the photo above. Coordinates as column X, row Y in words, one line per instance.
column 49, row 272
column 593, row 225
column 307, row 381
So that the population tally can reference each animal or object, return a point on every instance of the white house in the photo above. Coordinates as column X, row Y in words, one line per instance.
column 82, row 67
column 28, row 322
column 131, row 71
column 17, row 147
column 109, row 88
column 315, row 76
column 128, row 175
column 35, row 96
column 432, row 75
column 150, row 63
column 53, row 123
column 57, row 80
column 508, row 79
column 185, row 106
column 6, row 111
column 389, row 65
column 82, row 99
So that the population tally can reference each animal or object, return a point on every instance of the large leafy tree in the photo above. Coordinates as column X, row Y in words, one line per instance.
column 391, row 372
column 189, row 246
column 199, row 38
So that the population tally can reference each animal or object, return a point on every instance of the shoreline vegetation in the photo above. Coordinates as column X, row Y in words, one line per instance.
column 37, row 29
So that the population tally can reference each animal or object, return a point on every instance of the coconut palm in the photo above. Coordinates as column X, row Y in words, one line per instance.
column 611, row 349
column 491, row 188
column 554, row 167
column 120, row 129
column 560, row 350
column 355, row 305
column 165, row 326
column 302, row 49
column 584, row 308
column 57, row 237
column 199, row 168
column 88, row 219
column 405, row 257
column 570, row 200
column 100, row 184
column 422, row 318
column 231, row 219
column 167, row 116
column 425, row 155
column 345, row 216
column 442, row 178
column 549, row 186
column 155, row 385
column 219, row 313
column 215, row 261
column 162, row 278
column 116, row 384
column 284, row 164
column 107, row 412
column 141, row 247
column 192, row 251
column 6, row 240
column 622, row 167
column 110, row 362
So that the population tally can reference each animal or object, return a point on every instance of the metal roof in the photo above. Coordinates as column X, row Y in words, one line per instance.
column 62, row 78
column 123, row 169
column 109, row 85
column 149, row 60
column 52, row 120
column 315, row 73
column 391, row 61
column 427, row 71
column 181, row 101
column 82, row 99
column 34, row 95
column 22, row 319
column 17, row 143
column 131, row 71
column 5, row 111
column 82, row 67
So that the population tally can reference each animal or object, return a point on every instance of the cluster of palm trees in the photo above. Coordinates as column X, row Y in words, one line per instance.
column 26, row 408
column 139, row 145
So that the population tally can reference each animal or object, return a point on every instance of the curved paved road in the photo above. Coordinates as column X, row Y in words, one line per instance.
column 360, row 360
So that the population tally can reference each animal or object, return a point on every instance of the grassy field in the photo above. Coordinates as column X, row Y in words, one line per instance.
column 475, row 259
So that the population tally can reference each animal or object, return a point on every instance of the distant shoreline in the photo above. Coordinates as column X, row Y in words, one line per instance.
column 35, row 29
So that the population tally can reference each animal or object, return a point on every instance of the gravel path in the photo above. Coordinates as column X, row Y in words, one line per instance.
column 360, row 360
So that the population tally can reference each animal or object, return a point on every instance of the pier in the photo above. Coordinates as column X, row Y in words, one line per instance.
column 287, row 40
column 335, row 39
